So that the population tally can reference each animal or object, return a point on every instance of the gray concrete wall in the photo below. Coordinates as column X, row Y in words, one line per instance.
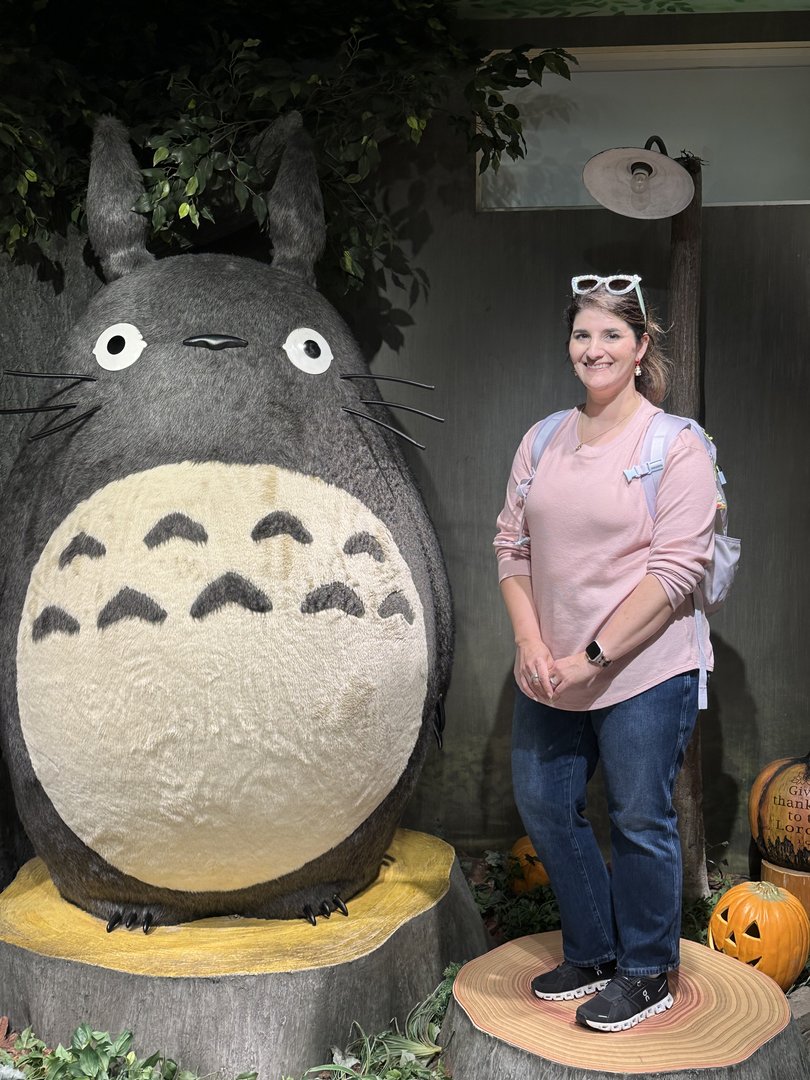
column 490, row 335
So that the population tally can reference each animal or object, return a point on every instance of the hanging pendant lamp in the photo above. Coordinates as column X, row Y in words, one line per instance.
column 639, row 183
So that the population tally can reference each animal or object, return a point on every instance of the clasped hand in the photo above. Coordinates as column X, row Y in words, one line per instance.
column 543, row 678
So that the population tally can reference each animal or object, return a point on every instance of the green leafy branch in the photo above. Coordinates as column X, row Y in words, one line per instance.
column 363, row 76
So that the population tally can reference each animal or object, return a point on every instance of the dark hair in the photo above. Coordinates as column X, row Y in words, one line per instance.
column 653, row 382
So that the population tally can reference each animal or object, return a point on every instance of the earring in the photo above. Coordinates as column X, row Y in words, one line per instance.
column 637, row 372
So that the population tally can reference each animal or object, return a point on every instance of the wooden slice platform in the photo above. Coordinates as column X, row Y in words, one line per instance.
column 728, row 1020
column 233, row 995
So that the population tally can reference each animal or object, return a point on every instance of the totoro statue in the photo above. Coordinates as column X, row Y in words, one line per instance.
column 226, row 624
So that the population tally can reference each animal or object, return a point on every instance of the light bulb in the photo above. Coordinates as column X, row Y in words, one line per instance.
column 640, row 182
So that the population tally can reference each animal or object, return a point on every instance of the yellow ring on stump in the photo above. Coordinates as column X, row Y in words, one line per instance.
column 34, row 916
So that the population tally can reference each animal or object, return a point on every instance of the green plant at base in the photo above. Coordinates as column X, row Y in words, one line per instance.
column 202, row 97
column 92, row 1055
column 509, row 916
column 411, row 1054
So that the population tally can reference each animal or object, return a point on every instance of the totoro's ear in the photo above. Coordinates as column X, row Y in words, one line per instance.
column 294, row 206
column 117, row 233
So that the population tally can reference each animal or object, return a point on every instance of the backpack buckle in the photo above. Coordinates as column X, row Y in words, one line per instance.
column 643, row 469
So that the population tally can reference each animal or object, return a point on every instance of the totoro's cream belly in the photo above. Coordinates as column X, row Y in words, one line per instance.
column 221, row 672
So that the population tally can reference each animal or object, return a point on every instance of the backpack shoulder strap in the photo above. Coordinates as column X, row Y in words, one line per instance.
column 544, row 434
column 661, row 432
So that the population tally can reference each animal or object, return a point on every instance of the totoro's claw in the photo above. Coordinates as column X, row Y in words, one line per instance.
column 147, row 922
column 115, row 919
column 310, row 914
column 132, row 918
column 339, row 905
column 326, row 909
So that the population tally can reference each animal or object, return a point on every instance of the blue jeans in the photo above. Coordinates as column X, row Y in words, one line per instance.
column 633, row 913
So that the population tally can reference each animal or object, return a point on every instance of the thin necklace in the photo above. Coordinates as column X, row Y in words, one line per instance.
column 587, row 442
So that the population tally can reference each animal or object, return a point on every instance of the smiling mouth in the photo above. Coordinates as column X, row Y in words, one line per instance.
column 598, row 364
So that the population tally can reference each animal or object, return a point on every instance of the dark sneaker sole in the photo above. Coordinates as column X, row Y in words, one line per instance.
column 581, row 991
column 623, row 1025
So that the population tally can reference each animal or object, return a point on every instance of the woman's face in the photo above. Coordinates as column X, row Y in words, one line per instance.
column 604, row 352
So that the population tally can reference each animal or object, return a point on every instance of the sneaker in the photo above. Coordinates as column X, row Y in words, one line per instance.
column 569, row 981
column 626, row 1002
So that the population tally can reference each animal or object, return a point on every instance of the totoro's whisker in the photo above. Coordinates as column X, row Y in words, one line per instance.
column 391, row 378
column 49, row 375
column 61, row 427
column 407, row 408
column 41, row 408
column 402, row 435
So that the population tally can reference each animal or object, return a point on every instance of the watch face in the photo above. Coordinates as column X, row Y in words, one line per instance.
column 593, row 651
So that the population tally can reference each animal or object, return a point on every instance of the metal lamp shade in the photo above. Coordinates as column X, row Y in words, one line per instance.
column 607, row 177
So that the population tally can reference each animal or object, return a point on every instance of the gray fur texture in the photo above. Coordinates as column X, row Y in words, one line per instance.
column 186, row 403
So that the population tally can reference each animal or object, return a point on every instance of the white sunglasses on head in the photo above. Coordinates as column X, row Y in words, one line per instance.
column 616, row 284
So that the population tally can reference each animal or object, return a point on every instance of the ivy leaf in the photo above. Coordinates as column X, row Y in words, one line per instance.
column 160, row 154
column 241, row 193
column 259, row 207
column 122, row 1044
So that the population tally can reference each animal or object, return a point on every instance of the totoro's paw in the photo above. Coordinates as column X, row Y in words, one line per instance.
column 325, row 908
column 131, row 918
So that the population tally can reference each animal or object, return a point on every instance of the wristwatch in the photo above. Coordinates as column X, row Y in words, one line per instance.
column 595, row 655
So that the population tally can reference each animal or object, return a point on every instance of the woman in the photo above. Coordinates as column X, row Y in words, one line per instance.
column 599, row 596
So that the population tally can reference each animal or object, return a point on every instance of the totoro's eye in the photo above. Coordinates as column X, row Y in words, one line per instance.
column 308, row 350
column 119, row 346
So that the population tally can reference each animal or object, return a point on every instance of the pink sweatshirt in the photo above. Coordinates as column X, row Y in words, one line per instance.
column 593, row 541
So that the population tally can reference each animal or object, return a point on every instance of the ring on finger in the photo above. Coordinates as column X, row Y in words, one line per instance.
column 553, row 680
column 535, row 677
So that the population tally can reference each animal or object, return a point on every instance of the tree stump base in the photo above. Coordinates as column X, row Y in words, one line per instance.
column 231, row 995
column 728, row 1021
column 796, row 882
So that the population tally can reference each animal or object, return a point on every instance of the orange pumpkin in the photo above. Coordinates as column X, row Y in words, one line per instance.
column 532, row 873
column 764, row 926
column 779, row 812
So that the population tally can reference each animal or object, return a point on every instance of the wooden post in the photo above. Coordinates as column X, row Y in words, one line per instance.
column 686, row 399
column 683, row 343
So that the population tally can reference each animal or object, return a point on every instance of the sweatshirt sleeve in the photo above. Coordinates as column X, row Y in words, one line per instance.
column 511, row 541
column 683, row 530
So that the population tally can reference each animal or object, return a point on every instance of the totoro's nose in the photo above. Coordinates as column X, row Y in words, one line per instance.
column 215, row 341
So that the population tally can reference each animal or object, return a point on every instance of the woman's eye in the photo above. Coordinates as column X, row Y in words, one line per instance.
column 308, row 350
column 119, row 346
